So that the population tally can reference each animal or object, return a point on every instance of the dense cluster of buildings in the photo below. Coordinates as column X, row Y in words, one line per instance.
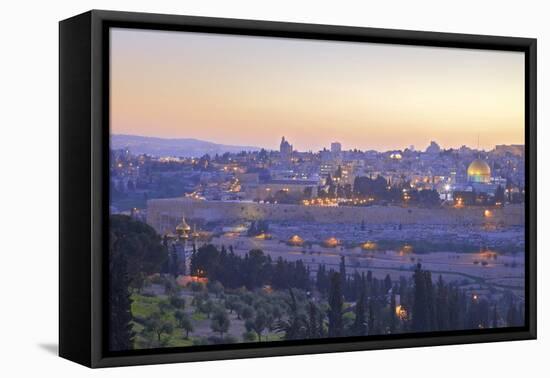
column 461, row 177
column 333, row 202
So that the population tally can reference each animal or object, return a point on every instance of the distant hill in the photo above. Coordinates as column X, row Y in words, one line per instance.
column 184, row 147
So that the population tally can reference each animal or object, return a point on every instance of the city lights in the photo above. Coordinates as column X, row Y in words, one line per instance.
column 249, row 205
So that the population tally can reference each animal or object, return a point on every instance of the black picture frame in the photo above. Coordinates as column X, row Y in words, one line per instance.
column 84, row 191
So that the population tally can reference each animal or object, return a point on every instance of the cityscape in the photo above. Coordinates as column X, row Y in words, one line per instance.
column 379, row 218
column 272, row 189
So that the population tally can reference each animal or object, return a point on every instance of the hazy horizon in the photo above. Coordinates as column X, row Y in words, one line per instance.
column 243, row 90
column 258, row 147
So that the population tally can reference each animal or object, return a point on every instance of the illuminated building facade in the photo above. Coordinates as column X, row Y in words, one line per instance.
column 291, row 187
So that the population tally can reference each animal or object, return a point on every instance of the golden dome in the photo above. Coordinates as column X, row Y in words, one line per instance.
column 479, row 171
column 183, row 226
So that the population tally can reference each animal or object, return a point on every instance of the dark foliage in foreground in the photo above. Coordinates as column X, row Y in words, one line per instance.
column 304, row 305
column 141, row 246
column 135, row 251
column 377, row 306
column 252, row 271
column 120, row 328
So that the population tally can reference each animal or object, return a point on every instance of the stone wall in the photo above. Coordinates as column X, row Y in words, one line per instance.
column 163, row 213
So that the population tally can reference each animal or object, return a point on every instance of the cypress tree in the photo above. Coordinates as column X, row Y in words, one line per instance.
column 454, row 308
column 321, row 279
column 430, row 300
column 360, row 324
column 442, row 306
column 315, row 325
column 420, row 317
column 121, row 334
column 369, row 283
column 343, row 276
column 336, row 303
column 372, row 318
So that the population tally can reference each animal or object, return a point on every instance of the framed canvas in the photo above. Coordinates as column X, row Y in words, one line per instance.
column 236, row 188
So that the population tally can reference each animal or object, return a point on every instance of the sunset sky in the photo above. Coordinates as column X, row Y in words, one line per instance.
column 244, row 90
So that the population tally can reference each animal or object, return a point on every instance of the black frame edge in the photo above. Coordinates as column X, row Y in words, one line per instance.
column 94, row 355
column 75, row 293
column 531, row 171
column 279, row 351
column 317, row 31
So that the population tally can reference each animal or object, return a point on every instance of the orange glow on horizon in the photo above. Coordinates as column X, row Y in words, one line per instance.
column 246, row 90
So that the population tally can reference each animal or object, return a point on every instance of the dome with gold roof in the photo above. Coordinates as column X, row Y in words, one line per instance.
column 479, row 171
column 183, row 229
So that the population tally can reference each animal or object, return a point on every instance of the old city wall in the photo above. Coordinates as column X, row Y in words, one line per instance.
column 161, row 212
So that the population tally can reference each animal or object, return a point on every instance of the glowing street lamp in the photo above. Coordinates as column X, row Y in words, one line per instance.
column 295, row 240
column 331, row 242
